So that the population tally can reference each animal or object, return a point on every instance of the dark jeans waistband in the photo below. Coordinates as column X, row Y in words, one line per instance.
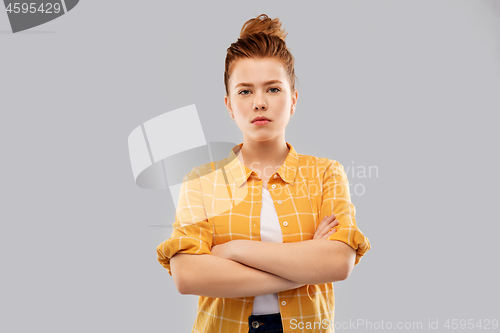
column 265, row 323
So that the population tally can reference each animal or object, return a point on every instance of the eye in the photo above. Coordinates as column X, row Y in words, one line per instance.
column 241, row 91
column 276, row 89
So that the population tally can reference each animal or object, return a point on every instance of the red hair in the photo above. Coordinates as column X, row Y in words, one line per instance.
column 261, row 37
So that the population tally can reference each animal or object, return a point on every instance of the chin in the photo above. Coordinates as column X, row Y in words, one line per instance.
column 263, row 137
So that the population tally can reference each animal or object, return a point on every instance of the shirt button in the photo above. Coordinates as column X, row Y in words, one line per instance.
column 275, row 176
column 283, row 303
column 273, row 186
column 285, row 223
column 279, row 202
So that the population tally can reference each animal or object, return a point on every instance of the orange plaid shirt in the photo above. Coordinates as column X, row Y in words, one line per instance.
column 220, row 202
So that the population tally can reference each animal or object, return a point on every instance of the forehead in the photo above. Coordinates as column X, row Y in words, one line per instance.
column 257, row 71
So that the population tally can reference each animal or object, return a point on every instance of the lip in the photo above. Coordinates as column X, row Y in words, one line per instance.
column 261, row 122
column 260, row 118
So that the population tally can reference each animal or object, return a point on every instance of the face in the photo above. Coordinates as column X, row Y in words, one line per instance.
column 260, row 87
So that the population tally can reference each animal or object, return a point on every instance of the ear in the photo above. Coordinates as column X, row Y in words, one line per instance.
column 295, row 95
column 227, row 101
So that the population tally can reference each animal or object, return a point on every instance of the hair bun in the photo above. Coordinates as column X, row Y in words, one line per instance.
column 263, row 24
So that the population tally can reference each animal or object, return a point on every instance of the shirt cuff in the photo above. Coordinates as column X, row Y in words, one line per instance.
column 353, row 237
column 180, row 244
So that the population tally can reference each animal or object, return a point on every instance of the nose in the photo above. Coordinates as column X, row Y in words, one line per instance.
column 259, row 102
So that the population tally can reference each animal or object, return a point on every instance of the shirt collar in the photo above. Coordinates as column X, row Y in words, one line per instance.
column 240, row 172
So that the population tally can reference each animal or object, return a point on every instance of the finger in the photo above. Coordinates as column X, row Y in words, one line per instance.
column 326, row 221
column 325, row 232
column 334, row 222
column 325, row 225
column 329, row 226
column 329, row 233
column 321, row 231
column 328, row 217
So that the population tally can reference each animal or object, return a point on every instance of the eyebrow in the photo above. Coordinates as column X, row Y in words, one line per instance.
column 244, row 84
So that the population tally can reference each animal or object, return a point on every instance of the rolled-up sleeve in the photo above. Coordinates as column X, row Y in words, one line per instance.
column 192, row 232
column 337, row 200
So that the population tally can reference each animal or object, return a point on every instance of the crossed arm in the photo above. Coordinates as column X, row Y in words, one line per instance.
column 249, row 268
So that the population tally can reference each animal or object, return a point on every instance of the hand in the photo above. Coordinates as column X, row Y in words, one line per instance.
column 225, row 250
column 325, row 227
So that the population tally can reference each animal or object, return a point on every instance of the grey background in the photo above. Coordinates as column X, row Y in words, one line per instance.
column 411, row 87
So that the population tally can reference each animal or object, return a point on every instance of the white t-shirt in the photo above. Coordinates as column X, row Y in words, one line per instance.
column 270, row 231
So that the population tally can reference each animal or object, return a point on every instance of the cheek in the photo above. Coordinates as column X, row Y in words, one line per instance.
column 242, row 105
column 282, row 102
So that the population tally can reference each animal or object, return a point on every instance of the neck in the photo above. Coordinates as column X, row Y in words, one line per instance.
column 259, row 154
